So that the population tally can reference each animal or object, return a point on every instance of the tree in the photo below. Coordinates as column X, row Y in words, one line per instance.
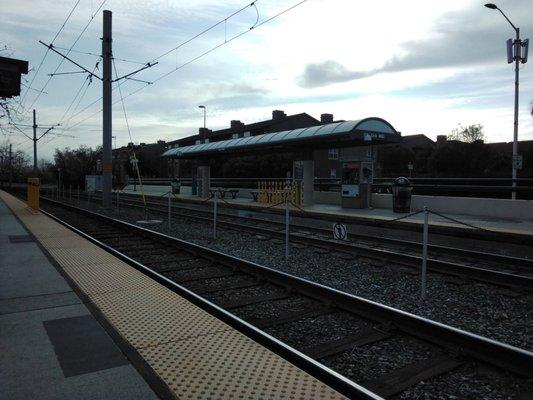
column 75, row 164
column 467, row 134
column 19, row 168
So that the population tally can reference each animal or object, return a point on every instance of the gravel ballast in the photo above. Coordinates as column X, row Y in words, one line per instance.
column 487, row 310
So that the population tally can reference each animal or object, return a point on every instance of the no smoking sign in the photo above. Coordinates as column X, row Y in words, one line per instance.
column 340, row 232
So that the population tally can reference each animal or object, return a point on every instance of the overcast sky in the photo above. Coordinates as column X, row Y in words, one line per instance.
column 425, row 66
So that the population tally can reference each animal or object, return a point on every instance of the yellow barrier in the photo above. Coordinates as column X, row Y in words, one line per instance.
column 33, row 193
column 275, row 192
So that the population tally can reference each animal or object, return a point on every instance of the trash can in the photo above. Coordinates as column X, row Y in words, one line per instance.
column 401, row 195
column 176, row 186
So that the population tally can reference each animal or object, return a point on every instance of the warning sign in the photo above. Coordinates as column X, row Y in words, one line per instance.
column 340, row 232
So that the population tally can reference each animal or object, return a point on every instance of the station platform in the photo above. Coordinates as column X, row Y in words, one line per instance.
column 77, row 322
column 515, row 226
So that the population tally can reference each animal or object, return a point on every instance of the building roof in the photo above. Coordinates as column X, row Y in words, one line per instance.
column 267, row 125
column 343, row 134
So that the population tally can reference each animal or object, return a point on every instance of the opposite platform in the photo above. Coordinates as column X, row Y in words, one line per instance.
column 196, row 355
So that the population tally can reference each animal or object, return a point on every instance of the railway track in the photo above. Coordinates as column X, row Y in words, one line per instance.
column 389, row 352
column 488, row 267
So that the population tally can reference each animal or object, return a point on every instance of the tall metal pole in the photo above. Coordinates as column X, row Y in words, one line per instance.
column 517, row 48
column 107, row 166
column 10, row 165
column 34, row 144
column 423, row 286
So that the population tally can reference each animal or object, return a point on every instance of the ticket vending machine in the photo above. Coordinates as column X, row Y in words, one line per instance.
column 356, row 180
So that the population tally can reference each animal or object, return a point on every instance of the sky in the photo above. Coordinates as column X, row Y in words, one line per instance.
column 425, row 66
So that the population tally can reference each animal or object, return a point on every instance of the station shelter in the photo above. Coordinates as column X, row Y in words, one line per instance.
column 357, row 167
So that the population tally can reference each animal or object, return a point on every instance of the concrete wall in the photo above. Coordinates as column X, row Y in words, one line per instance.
column 497, row 208
column 327, row 198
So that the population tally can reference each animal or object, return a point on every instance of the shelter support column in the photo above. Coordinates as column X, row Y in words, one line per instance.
column 304, row 171
column 204, row 180
column 308, row 181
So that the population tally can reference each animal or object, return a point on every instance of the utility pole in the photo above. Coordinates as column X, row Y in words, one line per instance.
column 516, row 51
column 10, row 165
column 34, row 145
column 35, row 139
column 107, row 80
column 107, row 162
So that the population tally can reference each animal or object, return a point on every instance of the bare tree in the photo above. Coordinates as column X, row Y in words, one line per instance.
column 467, row 134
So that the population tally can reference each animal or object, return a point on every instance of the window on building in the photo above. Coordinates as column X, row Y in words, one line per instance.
column 246, row 134
column 197, row 141
column 333, row 154
column 235, row 136
column 206, row 140
column 333, row 173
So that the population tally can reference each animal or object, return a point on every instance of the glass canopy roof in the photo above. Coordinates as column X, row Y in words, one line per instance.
column 369, row 127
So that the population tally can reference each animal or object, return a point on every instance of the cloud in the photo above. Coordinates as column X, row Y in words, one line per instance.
column 471, row 37
column 326, row 73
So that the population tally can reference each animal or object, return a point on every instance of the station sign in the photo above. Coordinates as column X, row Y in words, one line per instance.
column 368, row 136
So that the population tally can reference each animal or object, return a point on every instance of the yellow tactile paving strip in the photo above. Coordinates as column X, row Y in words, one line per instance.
column 197, row 355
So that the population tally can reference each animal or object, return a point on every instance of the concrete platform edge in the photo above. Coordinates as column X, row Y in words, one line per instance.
column 151, row 377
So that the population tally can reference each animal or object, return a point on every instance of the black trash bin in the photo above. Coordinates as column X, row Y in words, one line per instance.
column 401, row 195
column 176, row 186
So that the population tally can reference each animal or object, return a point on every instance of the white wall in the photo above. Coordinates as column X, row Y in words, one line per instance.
column 497, row 208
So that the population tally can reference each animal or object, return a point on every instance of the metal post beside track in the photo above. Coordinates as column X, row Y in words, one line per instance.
column 78, row 194
column 215, row 215
column 286, row 228
column 169, row 206
column 423, row 289
column 70, row 193
column 118, row 207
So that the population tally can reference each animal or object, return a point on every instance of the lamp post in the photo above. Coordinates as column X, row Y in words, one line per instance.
column 204, row 113
column 514, row 53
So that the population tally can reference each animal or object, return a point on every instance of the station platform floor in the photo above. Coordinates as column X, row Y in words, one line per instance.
column 507, row 226
column 78, row 323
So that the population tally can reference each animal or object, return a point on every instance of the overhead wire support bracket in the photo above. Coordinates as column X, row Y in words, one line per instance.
column 51, row 47
column 67, row 73
column 148, row 65
column 48, row 130
column 139, row 80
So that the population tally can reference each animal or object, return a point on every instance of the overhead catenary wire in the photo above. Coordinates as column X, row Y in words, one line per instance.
column 71, row 47
column 178, row 67
column 46, row 53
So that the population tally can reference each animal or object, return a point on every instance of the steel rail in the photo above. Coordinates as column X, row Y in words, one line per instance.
column 444, row 267
column 500, row 258
column 333, row 379
column 480, row 348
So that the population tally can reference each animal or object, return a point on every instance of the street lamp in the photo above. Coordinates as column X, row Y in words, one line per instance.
column 204, row 113
column 514, row 53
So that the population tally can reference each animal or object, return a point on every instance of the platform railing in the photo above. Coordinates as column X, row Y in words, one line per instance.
column 460, row 187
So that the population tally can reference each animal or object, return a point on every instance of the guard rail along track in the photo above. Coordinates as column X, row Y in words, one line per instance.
column 262, row 299
column 514, row 272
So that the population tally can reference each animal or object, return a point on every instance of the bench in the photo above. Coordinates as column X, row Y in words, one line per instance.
column 222, row 193
column 255, row 194
column 233, row 193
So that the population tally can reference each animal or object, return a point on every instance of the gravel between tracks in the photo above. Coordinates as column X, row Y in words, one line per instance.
column 484, row 309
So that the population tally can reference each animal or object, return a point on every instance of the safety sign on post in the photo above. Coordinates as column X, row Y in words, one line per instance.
column 339, row 231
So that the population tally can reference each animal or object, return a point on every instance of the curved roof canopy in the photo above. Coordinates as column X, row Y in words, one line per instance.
column 341, row 134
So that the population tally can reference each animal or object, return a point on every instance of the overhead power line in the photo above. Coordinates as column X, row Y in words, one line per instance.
column 46, row 53
column 70, row 49
column 254, row 26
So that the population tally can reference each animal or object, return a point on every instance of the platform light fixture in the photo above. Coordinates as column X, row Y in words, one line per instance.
column 204, row 113
column 516, row 51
